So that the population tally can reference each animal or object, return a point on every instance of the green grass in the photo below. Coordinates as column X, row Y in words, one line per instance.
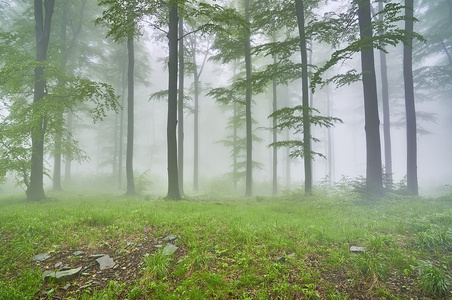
column 232, row 245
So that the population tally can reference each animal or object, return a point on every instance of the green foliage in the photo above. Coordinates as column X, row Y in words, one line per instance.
column 156, row 266
column 433, row 280
column 292, row 118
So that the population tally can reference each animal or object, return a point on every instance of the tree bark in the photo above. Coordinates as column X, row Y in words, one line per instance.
column 43, row 21
column 305, row 98
column 412, row 181
column 248, row 92
column 180, row 110
column 173, row 177
column 274, row 134
column 374, row 178
column 386, row 114
column 130, row 117
column 196, row 120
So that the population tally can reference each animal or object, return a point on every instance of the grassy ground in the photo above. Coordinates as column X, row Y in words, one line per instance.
column 289, row 247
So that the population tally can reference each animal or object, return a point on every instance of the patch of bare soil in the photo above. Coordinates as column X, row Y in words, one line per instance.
column 127, row 255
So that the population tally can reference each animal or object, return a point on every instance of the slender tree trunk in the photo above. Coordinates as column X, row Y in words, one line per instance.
column 121, row 123
column 305, row 96
column 248, row 92
column 275, row 135
column 330, row 145
column 196, row 120
column 412, row 182
column 43, row 21
column 68, row 158
column 374, row 176
column 173, row 177
column 386, row 114
column 58, row 138
column 130, row 117
column 180, row 110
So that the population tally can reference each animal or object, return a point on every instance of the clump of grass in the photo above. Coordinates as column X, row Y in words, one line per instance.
column 432, row 280
column 435, row 237
column 157, row 266
column 369, row 265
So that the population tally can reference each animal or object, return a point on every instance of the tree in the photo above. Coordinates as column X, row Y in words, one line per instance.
column 386, row 113
column 130, row 113
column 66, row 49
column 248, row 93
column 305, row 97
column 180, row 108
column 374, row 177
column 412, row 183
column 43, row 22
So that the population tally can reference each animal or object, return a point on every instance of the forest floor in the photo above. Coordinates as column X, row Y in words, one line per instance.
column 287, row 247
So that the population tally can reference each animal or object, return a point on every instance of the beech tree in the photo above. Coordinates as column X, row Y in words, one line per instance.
column 412, row 183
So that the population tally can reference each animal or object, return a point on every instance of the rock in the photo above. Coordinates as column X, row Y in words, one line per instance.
column 78, row 253
column 158, row 246
column 96, row 255
column 41, row 257
column 281, row 259
column 61, row 276
column 105, row 262
column 169, row 249
column 170, row 238
column 357, row 249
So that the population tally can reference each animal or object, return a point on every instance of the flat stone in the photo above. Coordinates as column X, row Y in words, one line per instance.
column 41, row 257
column 96, row 255
column 357, row 249
column 61, row 276
column 169, row 249
column 105, row 262
column 170, row 238
column 78, row 253
column 158, row 246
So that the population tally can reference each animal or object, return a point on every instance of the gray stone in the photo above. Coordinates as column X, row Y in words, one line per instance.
column 357, row 249
column 96, row 255
column 41, row 257
column 281, row 259
column 170, row 238
column 78, row 253
column 105, row 262
column 61, row 276
column 169, row 249
column 158, row 246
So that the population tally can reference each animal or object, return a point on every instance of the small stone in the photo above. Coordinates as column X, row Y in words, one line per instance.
column 65, row 268
column 105, row 262
column 357, row 249
column 41, row 257
column 78, row 253
column 159, row 246
column 170, row 238
column 123, row 268
column 281, row 259
column 139, row 245
column 58, row 265
column 96, row 255
column 169, row 249
column 61, row 276
column 66, row 287
column 85, row 274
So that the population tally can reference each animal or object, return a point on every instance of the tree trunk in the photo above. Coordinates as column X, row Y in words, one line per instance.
column 35, row 191
column 374, row 178
column 173, row 177
column 196, row 120
column 249, row 132
column 130, row 117
column 68, row 158
column 386, row 114
column 412, row 182
column 275, row 134
column 305, row 96
column 121, row 123
column 180, row 110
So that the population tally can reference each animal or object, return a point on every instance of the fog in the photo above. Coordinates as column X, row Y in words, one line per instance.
column 348, row 138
